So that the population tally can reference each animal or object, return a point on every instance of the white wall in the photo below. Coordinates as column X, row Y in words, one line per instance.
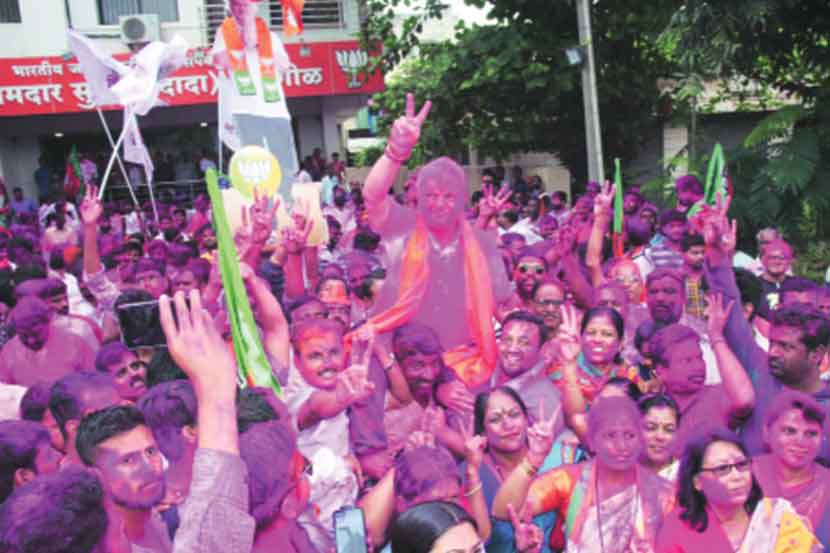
column 18, row 161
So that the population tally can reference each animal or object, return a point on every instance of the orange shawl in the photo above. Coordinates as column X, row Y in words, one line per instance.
column 239, row 64
column 474, row 362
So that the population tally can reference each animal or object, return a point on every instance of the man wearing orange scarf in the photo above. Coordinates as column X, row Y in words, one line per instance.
column 442, row 272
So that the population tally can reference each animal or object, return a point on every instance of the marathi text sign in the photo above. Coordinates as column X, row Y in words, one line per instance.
column 48, row 85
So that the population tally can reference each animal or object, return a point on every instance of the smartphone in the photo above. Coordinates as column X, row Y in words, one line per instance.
column 350, row 530
column 141, row 325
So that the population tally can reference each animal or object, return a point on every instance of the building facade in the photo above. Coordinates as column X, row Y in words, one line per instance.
column 45, row 108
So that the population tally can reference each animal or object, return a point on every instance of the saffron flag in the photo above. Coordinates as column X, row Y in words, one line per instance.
column 252, row 363
column 618, row 240
column 292, row 17
column 100, row 70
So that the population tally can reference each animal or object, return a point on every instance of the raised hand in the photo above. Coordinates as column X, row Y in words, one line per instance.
column 604, row 200
column 540, row 437
column 294, row 238
column 528, row 536
column 91, row 207
column 568, row 334
column 362, row 345
column 434, row 420
column 263, row 216
column 196, row 346
column 353, row 386
column 491, row 204
column 406, row 130
column 418, row 439
column 717, row 314
column 474, row 447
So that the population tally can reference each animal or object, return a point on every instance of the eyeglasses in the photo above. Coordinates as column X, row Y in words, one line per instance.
column 723, row 470
column 528, row 268
column 549, row 303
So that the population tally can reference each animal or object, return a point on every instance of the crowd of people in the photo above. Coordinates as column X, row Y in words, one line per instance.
column 464, row 372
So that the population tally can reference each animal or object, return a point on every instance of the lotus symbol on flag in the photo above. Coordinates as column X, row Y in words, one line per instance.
column 352, row 62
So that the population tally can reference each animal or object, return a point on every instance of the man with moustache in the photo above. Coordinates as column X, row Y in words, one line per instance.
column 129, row 373
column 530, row 271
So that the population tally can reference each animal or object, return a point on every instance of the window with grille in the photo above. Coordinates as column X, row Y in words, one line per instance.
column 10, row 11
column 110, row 10
column 316, row 13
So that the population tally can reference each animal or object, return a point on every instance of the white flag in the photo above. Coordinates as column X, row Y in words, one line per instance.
column 228, row 131
column 135, row 151
column 139, row 88
column 100, row 70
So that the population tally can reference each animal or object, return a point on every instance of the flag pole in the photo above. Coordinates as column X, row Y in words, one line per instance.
column 118, row 157
column 114, row 153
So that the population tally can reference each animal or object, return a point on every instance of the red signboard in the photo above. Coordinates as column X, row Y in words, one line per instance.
column 47, row 85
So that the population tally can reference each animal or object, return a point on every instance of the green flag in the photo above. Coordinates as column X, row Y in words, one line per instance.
column 617, row 236
column 254, row 369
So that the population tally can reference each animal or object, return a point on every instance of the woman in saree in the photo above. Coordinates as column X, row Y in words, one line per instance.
column 721, row 508
column 793, row 431
column 501, row 417
column 609, row 503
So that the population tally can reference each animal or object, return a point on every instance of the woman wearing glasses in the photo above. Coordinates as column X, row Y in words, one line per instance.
column 721, row 508
column 793, row 431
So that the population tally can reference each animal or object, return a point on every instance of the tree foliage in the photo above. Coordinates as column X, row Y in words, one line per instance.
column 505, row 87
column 781, row 170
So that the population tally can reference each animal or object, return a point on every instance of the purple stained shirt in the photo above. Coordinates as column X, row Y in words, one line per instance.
column 443, row 307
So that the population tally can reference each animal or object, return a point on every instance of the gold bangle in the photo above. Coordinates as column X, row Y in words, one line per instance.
column 475, row 490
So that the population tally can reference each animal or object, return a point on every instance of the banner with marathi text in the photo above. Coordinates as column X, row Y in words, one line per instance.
column 50, row 85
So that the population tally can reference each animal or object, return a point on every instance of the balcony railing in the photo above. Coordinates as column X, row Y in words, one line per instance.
column 317, row 14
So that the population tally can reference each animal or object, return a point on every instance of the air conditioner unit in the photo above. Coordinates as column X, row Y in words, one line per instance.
column 139, row 28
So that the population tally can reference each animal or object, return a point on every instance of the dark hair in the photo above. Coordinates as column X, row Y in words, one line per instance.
column 483, row 399
column 611, row 313
column 253, row 407
column 298, row 303
column 55, row 513
column 650, row 401
column 267, row 450
column 102, row 425
column 806, row 318
column 690, row 240
column 666, row 338
column 561, row 195
column 797, row 284
column 413, row 339
column 631, row 390
column 638, row 231
column 671, row 216
column 35, row 402
column 366, row 241
column 751, row 290
column 162, row 368
column 109, row 354
column 689, row 182
column 420, row 469
column 528, row 317
column 788, row 399
column 689, row 499
column 19, row 441
column 417, row 530
column 65, row 397
column 511, row 215
column 644, row 333
column 167, row 408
